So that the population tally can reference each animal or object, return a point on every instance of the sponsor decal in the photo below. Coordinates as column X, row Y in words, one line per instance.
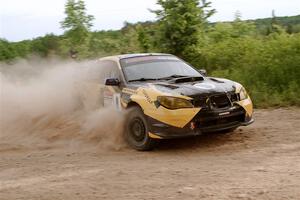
column 129, row 91
column 147, row 97
column 205, row 86
column 148, row 58
column 225, row 113
column 108, row 94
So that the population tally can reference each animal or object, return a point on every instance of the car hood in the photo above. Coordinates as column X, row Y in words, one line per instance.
column 206, row 87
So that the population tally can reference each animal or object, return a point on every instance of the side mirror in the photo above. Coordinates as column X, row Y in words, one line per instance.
column 112, row 82
column 203, row 72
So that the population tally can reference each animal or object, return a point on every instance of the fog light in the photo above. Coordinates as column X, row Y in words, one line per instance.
column 193, row 125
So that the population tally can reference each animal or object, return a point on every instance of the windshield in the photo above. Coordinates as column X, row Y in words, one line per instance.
column 156, row 67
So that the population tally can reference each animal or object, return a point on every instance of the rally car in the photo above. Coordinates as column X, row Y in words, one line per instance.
column 165, row 97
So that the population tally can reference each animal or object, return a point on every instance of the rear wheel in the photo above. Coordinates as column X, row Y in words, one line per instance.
column 136, row 130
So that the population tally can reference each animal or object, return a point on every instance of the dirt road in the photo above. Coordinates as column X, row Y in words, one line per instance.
column 257, row 162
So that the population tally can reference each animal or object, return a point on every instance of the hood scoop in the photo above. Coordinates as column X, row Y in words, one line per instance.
column 216, row 80
column 173, row 87
column 188, row 79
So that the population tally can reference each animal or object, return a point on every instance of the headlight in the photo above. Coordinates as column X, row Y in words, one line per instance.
column 173, row 103
column 243, row 94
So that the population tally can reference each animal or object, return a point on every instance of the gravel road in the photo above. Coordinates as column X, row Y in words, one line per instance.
column 261, row 161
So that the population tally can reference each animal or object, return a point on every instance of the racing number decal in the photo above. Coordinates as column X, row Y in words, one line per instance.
column 112, row 98
column 108, row 97
column 117, row 101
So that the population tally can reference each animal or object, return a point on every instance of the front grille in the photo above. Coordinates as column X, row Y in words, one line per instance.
column 211, row 118
column 220, row 101
column 234, row 97
column 220, row 121
column 201, row 102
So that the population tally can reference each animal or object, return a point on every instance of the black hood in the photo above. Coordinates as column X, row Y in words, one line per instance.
column 206, row 87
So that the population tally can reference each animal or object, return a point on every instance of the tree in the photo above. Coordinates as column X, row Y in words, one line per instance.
column 274, row 26
column 242, row 28
column 129, row 39
column 7, row 52
column 143, row 38
column 77, row 26
column 181, row 23
column 45, row 46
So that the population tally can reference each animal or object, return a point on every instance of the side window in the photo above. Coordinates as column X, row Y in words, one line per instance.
column 109, row 69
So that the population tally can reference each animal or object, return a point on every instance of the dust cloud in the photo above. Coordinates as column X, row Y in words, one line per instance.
column 55, row 102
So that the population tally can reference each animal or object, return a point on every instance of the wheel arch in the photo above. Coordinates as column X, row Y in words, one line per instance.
column 149, row 142
column 132, row 104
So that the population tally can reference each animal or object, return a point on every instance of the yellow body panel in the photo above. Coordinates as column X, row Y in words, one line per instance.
column 152, row 135
column 247, row 105
column 178, row 118
column 146, row 98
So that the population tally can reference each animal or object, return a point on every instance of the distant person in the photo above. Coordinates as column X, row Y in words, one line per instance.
column 73, row 53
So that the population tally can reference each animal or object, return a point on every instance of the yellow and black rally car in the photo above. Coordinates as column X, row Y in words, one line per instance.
column 168, row 98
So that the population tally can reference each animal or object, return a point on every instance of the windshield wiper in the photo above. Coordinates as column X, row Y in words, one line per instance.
column 181, row 78
column 172, row 77
column 143, row 79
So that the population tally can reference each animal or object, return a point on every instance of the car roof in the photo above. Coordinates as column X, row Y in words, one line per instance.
column 119, row 57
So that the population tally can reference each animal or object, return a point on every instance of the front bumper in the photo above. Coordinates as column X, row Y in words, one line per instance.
column 204, row 122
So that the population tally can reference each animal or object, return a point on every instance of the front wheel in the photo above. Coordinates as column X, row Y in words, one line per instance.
column 136, row 130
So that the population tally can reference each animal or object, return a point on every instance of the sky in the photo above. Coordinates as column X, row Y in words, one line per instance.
column 27, row 19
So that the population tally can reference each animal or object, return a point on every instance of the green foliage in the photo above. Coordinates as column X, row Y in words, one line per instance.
column 76, row 16
column 77, row 25
column 268, row 67
column 181, row 23
column 129, row 40
column 45, row 46
column 290, row 24
column 6, row 50
column 143, row 39
column 105, row 43
column 10, row 51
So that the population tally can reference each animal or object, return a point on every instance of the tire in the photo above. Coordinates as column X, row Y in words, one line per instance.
column 136, row 130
